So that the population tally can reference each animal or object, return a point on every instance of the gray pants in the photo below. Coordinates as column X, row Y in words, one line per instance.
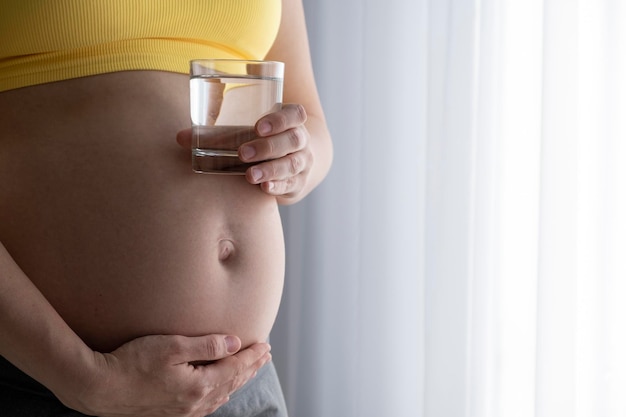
column 261, row 397
column 22, row 396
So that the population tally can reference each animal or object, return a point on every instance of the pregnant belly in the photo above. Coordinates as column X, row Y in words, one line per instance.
column 103, row 213
column 121, row 266
column 121, row 271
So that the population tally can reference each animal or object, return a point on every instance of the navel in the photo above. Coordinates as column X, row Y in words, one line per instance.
column 226, row 250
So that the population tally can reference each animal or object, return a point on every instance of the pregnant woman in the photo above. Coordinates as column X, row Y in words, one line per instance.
column 128, row 284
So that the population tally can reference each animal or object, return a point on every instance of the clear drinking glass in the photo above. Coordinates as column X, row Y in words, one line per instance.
column 228, row 96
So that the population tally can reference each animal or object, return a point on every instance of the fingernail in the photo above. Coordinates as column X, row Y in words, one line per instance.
column 256, row 174
column 248, row 152
column 265, row 127
column 232, row 344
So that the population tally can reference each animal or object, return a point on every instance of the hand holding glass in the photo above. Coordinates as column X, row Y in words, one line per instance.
column 228, row 96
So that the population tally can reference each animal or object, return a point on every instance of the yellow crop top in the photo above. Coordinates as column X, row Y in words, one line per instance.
column 50, row 40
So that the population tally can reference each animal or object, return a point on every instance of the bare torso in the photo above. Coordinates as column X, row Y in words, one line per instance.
column 100, row 208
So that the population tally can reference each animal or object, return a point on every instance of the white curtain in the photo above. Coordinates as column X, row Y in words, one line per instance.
column 466, row 256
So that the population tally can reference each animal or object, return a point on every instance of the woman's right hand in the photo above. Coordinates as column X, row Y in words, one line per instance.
column 171, row 376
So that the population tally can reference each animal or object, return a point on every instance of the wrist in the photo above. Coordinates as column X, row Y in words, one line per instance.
column 81, row 385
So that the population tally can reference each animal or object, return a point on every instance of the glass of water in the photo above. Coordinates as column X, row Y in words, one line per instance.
column 228, row 96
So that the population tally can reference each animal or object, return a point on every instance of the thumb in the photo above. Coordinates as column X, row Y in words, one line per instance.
column 184, row 138
column 204, row 349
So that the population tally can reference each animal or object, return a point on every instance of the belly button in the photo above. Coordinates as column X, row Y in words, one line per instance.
column 226, row 249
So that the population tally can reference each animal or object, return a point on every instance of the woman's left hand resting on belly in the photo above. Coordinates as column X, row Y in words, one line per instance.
column 172, row 375
column 286, row 153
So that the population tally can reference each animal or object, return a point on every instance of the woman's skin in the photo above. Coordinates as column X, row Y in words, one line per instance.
column 119, row 267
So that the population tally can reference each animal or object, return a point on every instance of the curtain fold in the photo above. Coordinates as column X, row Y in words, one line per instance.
column 466, row 256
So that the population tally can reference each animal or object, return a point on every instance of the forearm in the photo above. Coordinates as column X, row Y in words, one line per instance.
column 36, row 339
